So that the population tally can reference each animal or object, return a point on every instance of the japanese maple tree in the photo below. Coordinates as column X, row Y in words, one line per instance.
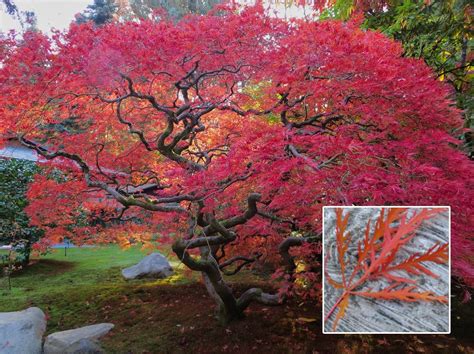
column 226, row 134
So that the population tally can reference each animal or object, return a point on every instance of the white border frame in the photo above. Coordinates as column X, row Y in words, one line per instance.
column 390, row 206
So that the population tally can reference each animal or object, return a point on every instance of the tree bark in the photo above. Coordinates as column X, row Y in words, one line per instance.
column 229, row 308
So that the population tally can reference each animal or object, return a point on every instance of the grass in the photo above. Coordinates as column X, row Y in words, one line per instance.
column 175, row 315
column 65, row 286
column 86, row 287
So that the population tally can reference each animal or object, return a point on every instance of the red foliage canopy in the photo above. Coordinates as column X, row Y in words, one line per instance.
column 230, row 131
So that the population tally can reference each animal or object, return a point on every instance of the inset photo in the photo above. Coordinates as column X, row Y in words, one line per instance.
column 386, row 269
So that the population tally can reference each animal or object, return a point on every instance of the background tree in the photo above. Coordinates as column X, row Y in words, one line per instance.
column 15, row 228
column 227, row 134
column 100, row 12
column 175, row 8
column 103, row 11
column 27, row 19
column 439, row 32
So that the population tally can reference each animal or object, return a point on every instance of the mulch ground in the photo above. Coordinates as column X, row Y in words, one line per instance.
column 179, row 319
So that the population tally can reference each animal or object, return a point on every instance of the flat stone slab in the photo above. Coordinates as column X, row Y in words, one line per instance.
column 82, row 340
column 154, row 266
column 22, row 331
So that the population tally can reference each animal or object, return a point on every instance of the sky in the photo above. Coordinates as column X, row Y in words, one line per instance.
column 50, row 13
column 60, row 13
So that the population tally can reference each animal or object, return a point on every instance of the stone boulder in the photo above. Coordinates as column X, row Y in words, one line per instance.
column 154, row 266
column 82, row 340
column 22, row 331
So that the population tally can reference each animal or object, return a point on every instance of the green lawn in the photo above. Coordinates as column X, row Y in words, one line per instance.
column 72, row 285
column 175, row 315
column 86, row 287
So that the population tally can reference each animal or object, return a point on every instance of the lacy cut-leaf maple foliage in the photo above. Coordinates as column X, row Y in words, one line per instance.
column 224, row 134
column 378, row 256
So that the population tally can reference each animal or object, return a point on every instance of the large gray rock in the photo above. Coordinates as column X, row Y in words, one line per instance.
column 154, row 265
column 82, row 340
column 22, row 331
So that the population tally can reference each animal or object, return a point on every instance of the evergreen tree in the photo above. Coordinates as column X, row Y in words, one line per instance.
column 100, row 12
column 15, row 229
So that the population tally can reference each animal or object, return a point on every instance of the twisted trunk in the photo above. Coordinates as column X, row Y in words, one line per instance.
column 228, row 306
column 218, row 234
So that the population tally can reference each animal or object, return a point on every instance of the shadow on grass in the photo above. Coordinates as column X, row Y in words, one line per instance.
column 45, row 267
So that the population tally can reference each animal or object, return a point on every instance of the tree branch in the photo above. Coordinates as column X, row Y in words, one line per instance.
column 258, row 295
column 286, row 244
column 124, row 200
column 245, row 261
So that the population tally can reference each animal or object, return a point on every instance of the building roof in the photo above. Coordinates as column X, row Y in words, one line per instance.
column 16, row 151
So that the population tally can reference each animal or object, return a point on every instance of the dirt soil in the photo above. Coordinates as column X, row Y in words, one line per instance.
column 179, row 319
